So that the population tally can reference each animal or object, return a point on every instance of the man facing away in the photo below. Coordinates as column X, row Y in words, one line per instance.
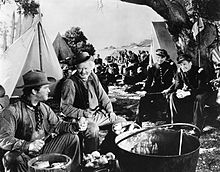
column 27, row 122
column 82, row 95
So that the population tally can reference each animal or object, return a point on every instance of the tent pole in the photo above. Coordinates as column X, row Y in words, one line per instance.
column 40, row 52
column 199, row 54
column 199, row 41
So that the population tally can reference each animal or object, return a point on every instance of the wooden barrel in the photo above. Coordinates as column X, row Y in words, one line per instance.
column 51, row 158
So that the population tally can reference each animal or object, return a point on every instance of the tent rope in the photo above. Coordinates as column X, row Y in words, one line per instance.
column 39, row 41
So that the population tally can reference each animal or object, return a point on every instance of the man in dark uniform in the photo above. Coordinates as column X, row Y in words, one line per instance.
column 189, row 92
column 159, row 77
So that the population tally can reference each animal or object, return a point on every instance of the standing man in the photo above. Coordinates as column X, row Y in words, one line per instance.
column 26, row 123
column 158, row 77
column 189, row 92
column 82, row 95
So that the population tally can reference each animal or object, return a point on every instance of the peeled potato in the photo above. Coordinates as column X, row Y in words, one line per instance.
column 89, row 164
column 96, row 154
column 118, row 127
column 103, row 160
column 110, row 156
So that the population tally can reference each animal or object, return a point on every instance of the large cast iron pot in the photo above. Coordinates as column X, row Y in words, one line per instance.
column 176, row 150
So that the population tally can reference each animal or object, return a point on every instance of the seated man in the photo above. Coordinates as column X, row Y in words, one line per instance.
column 159, row 77
column 25, row 125
column 82, row 95
column 189, row 92
column 4, row 99
column 4, row 102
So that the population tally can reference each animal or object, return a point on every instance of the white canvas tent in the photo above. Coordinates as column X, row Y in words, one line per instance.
column 161, row 39
column 32, row 50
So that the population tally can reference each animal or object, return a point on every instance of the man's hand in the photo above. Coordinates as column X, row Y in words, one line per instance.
column 36, row 145
column 182, row 94
column 165, row 92
column 112, row 116
column 88, row 113
column 83, row 124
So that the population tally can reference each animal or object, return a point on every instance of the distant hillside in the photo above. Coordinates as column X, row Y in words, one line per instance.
column 144, row 43
column 135, row 47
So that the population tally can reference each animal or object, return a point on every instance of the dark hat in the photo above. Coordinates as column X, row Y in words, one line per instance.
column 4, row 99
column 34, row 78
column 81, row 57
column 162, row 53
column 109, row 59
column 183, row 57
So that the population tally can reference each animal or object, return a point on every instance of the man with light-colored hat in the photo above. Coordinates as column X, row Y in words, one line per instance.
column 29, row 127
column 83, row 97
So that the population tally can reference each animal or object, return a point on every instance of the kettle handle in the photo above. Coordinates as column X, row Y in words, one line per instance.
column 197, row 130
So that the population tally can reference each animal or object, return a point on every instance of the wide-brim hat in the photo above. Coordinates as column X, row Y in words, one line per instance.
column 109, row 59
column 183, row 57
column 34, row 78
column 81, row 57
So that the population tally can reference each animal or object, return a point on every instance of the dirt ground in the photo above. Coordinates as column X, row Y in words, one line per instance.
column 125, row 104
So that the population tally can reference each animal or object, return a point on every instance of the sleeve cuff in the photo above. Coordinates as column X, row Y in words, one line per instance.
column 25, row 147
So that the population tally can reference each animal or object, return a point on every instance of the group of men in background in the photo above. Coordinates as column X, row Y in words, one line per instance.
column 177, row 94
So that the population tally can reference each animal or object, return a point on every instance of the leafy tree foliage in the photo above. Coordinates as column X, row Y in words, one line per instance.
column 77, row 41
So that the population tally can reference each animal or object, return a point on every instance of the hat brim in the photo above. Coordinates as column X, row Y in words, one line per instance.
column 180, row 61
column 161, row 55
column 76, row 62
column 33, row 85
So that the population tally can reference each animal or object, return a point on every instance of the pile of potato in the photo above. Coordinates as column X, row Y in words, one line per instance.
column 121, row 127
column 96, row 160
column 47, row 165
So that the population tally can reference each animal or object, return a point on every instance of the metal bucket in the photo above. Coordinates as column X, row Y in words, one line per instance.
column 174, row 150
column 51, row 158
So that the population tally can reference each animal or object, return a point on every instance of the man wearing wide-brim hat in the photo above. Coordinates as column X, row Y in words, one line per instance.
column 83, row 97
column 26, row 124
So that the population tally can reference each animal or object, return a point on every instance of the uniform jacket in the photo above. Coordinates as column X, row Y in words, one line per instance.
column 195, row 81
column 160, row 78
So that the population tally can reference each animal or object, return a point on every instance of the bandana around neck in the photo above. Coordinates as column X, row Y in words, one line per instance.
column 37, row 111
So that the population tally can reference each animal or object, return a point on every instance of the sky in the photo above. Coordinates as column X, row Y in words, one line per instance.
column 104, row 23
column 115, row 23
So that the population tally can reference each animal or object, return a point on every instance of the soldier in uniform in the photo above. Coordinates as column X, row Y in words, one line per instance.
column 189, row 92
column 159, row 77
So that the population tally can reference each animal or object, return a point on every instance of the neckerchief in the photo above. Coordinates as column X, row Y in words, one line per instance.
column 37, row 111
